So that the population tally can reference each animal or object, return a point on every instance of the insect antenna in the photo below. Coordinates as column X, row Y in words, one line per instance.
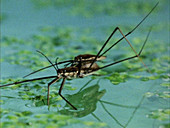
column 70, row 61
column 48, row 60
column 29, row 80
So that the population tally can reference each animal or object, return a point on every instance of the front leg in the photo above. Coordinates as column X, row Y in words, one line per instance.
column 61, row 87
column 48, row 94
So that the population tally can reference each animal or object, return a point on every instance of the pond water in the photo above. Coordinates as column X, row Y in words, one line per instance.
column 123, row 95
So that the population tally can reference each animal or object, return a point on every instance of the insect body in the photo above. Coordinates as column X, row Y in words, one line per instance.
column 84, row 58
column 74, row 72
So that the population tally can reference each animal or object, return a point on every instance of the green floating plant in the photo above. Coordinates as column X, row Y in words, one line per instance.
column 160, row 114
column 165, row 84
column 117, row 78
column 164, row 94
column 28, row 119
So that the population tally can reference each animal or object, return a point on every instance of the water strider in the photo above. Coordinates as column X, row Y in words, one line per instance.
column 89, row 57
column 85, row 64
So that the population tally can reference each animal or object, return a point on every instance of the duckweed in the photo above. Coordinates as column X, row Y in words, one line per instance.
column 160, row 114
column 25, row 105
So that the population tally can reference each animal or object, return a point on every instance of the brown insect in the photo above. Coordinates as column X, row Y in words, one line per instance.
column 83, row 65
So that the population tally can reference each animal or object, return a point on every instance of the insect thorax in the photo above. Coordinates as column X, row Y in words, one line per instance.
column 77, row 72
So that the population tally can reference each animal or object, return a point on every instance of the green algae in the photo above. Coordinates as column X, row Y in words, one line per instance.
column 53, row 41
column 160, row 114
column 45, row 120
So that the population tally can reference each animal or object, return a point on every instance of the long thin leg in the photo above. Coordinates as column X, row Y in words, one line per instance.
column 53, row 81
column 61, row 87
column 119, row 39
column 48, row 94
column 117, row 62
column 117, row 28
column 134, row 50
column 131, row 30
column 129, row 57
column 29, row 80
column 103, row 46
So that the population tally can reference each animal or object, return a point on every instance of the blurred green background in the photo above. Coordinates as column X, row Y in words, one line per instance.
column 123, row 95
